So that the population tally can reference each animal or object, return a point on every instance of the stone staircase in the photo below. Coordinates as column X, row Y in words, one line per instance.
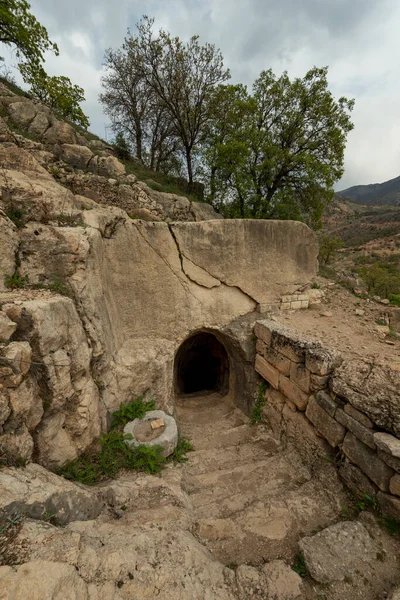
column 252, row 499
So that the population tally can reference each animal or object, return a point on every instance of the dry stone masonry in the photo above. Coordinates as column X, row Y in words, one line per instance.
column 353, row 406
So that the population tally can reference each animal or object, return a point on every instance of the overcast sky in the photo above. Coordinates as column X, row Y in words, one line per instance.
column 358, row 39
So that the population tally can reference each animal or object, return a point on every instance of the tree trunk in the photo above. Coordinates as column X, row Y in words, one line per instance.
column 189, row 166
column 139, row 143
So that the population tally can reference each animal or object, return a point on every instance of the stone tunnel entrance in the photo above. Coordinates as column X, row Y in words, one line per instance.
column 201, row 366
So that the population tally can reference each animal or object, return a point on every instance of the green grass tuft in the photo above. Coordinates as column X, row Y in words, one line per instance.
column 259, row 403
column 134, row 410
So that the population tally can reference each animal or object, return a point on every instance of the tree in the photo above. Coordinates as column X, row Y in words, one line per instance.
column 328, row 246
column 284, row 158
column 57, row 92
column 134, row 109
column 183, row 77
column 19, row 28
column 121, row 147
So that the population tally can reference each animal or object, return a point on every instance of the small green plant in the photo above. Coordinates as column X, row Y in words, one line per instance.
column 391, row 525
column 114, row 454
column 179, row 455
column 10, row 522
column 16, row 216
column 55, row 285
column 69, row 220
column 299, row 565
column 315, row 286
column 380, row 322
column 16, row 281
column 394, row 299
column 366, row 502
column 133, row 410
column 259, row 403
column 392, row 332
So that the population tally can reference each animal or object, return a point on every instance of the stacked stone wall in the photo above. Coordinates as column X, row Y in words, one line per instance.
column 305, row 404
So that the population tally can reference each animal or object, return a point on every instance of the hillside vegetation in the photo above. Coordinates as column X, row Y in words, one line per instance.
column 387, row 192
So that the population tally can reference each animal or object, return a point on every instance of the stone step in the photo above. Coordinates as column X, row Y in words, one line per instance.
column 265, row 530
column 221, row 438
column 206, row 460
column 255, row 481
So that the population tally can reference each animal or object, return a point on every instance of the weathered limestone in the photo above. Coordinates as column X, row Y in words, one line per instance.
column 36, row 492
column 368, row 461
column 345, row 410
column 339, row 552
column 168, row 439
column 326, row 425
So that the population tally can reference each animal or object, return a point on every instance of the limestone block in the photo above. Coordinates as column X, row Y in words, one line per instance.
column 22, row 112
column 7, row 327
column 285, row 306
column 295, row 305
column 268, row 372
column 320, row 361
column 282, row 582
column 390, row 460
column 293, row 392
column 260, row 347
column 288, row 347
column 390, row 505
column 372, row 388
column 9, row 378
column 312, row 448
column 326, row 425
column 300, row 376
column 387, row 443
column 339, row 552
column 394, row 485
column 277, row 360
column 359, row 416
column 110, row 166
column 26, row 404
column 368, row 461
column 40, row 124
column 263, row 333
column 75, row 155
column 363, row 433
column 327, row 403
column 356, row 481
column 318, row 382
column 60, row 133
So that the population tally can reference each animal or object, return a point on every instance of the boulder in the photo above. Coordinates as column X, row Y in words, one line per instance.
column 23, row 113
column 75, row 155
column 16, row 447
column 372, row 388
column 110, row 166
column 60, row 133
column 38, row 493
column 339, row 552
column 282, row 582
column 40, row 124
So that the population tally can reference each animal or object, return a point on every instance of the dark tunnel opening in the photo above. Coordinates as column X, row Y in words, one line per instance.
column 202, row 365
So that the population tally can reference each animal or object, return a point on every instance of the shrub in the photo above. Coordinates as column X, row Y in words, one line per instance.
column 394, row 299
column 128, row 412
column 16, row 281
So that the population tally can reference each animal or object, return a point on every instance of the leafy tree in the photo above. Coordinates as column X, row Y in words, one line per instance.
column 328, row 246
column 382, row 278
column 288, row 151
column 19, row 28
column 57, row 92
column 135, row 110
column 183, row 77
column 121, row 147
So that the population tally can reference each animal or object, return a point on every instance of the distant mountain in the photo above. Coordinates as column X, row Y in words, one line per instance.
column 387, row 193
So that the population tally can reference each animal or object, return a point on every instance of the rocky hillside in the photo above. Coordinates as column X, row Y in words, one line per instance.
column 386, row 193
column 358, row 224
column 87, row 166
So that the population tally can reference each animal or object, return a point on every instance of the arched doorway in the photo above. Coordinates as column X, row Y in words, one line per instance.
column 201, row 366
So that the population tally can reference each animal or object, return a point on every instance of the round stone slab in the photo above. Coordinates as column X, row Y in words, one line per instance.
column 168, row 439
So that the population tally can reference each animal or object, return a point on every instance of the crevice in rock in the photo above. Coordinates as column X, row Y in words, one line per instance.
column 181, row 255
